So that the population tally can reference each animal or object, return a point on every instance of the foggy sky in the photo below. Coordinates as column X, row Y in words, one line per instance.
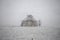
column 14, row 11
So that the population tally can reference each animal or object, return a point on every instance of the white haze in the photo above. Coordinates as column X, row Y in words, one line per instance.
column 14, row 11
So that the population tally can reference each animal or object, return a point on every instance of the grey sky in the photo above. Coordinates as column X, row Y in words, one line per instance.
column 14, row 11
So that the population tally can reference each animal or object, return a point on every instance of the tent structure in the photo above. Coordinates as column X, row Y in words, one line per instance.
column 30, row 21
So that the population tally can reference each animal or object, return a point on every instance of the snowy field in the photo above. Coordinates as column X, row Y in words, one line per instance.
column 27, row 33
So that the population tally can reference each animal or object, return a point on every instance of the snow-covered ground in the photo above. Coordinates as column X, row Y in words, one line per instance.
column 27, row 33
